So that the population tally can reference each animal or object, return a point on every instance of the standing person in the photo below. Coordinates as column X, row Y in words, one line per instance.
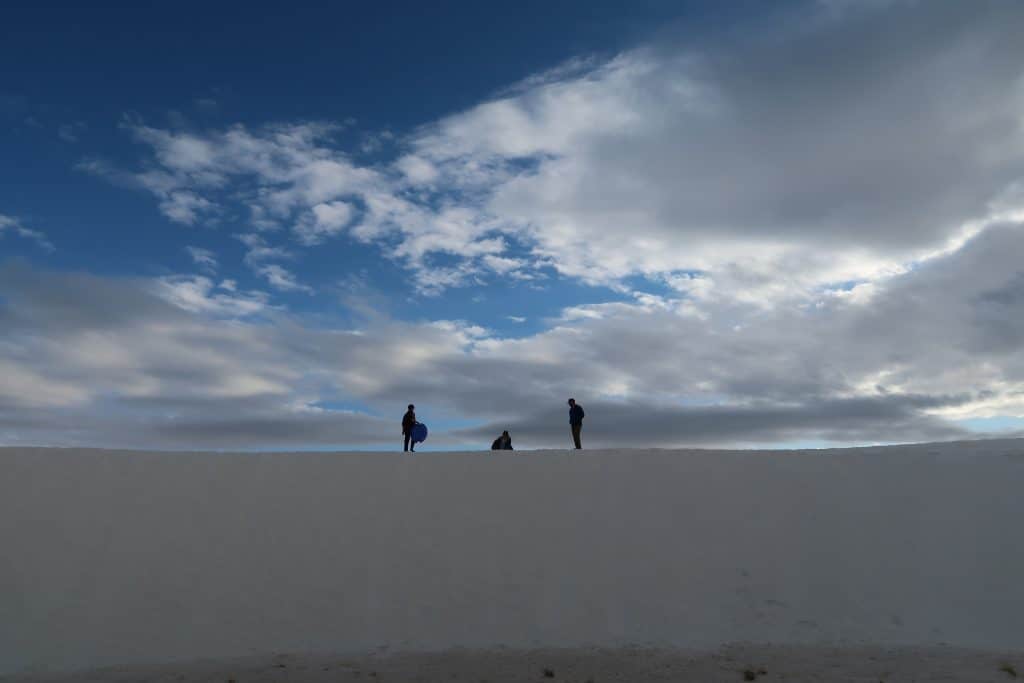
column 575, row 421
column 502, row 443
column 408, row 420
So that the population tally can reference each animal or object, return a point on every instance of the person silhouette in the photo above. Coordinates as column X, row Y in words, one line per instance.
column 575, row 421
column 408, row 420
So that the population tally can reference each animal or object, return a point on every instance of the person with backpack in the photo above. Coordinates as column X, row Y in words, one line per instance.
column 408, row 421
column 502, row 443
column 575, row 421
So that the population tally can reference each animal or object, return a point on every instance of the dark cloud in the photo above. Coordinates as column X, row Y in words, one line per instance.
column 63, row 302
column 617, row 425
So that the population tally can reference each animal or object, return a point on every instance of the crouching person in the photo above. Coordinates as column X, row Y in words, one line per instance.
column 502, row 443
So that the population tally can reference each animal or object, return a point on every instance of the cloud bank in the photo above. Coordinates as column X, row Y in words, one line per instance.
column 183, row 363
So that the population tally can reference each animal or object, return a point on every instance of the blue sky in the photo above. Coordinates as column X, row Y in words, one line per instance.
column 713, row 222
column 372, row 70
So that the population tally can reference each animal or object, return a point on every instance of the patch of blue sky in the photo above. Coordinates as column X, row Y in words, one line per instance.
column 658, row 284
column 802, row 445
column 345, row 405
column 994, row 425
column 844, row 286
column 311, row 58
column 510, row 308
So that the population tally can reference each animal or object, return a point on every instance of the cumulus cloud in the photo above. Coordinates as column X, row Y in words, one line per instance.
column 417, row 169
column 323, row 220
column 278, row 169
column 829, row 149
column 840, row 143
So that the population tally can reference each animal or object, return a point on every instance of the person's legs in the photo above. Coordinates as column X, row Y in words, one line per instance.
column 576, row 435
column 407, row 437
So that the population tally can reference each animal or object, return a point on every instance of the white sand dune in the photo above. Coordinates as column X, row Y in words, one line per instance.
column 766, row 663
column 847, row 564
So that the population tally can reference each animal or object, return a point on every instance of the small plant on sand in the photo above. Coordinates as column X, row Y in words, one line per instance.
column 752, row 674
column 548, row 673
column 1009, row 670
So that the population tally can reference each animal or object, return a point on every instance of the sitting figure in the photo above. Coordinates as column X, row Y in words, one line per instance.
column 502, row 443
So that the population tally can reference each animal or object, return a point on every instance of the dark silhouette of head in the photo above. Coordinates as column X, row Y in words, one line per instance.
column 505, row 433
column 572, row 401
column 411, row 406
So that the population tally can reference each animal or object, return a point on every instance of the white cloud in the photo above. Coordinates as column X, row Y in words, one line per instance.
column 196, row 294
column 10, row 224
column 333, row 215
column 281, row 278
column 259, row 250
column 503, row 265
column 324, row 220
column 729, row 157
column 185, row 207
column 257, row 256
column 417, row 169
column 183, row 152
column 204, row 258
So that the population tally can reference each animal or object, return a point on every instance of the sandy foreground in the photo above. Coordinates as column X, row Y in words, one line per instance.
column 116, row 558
column 634, row 665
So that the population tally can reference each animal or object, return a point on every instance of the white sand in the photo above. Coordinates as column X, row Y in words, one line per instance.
column 119, row 558
column 810, row 664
